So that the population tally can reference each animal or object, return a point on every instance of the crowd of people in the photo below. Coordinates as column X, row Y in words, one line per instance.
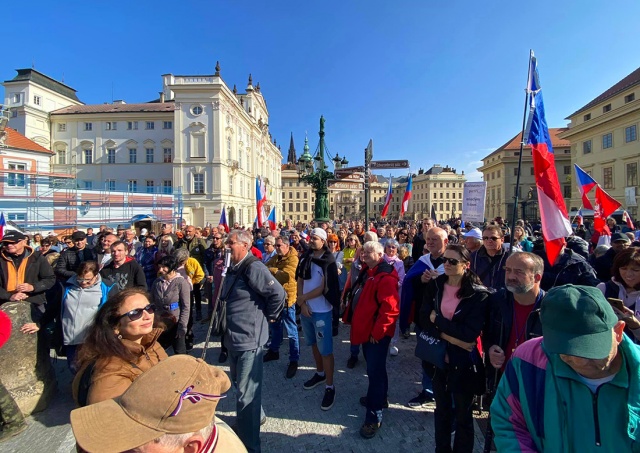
column 490, row 314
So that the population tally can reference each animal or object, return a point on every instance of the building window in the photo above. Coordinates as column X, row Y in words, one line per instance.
column 630, row 134
column 441, row 195
column 111, row 185
column 88, row 185
column 16, row 179
column 515, row 171
column 196, row 110
column 17, row 217
column 229, row 148
column 607, row 140
column 167, row 124
column 133, row 155
column 607, row 177
column 305, row 195
column 150, row 125
column 290, row 207
column 632, row 174
column 496, row 177
column 531, row 169
column 198, row 183
column 150, row 186
column 112, row 125
column 297, row 207
column 88, row 156
column 606, row 108
column 298, row 195
column 132, row 125
column 88, row 126
column 62, row 156
column 586, row 147
column 37, row 100
column 62, row 127
column 167, row 186
column 587, row 117
column 166, row 155
column 567, row 169
column 567, row 191
column 305, row 206
column 149, row 155
column 132, row 185
column 17, row 97
column 14, row 113
column 111, row 156
column 441, row 207
column 629, row 97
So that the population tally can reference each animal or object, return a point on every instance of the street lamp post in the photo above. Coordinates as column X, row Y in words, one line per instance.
column 318, row 175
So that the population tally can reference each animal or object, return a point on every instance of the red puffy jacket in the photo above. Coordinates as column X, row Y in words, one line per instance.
column 5, row 328
column 378, row 307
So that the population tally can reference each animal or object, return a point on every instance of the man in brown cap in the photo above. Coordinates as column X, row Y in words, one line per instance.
column 169, row 408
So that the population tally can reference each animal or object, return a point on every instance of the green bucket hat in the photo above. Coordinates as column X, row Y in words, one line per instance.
column 577, row 320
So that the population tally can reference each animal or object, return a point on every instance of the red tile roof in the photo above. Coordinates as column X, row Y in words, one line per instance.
column 626, row 83
column 514, row 143
column 116, row 108
column 18, row 141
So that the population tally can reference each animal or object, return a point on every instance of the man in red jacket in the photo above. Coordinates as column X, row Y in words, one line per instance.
column 11, row 418
column 373, row 326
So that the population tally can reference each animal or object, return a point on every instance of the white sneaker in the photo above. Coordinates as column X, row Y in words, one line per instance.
column 393, row 351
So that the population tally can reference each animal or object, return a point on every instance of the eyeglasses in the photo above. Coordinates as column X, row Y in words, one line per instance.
column 492, row 238
column 216, row 239
column 85, row 280
column 452, row 261
column 136, row 314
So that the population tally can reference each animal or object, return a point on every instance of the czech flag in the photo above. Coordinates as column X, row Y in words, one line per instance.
column 627, row 219
column 605, row 206
column 261, row 198
column 553, row 212
column 407, row 196
column 223, row 219
column 585, row 184
column 272, row 219
column 2, row 225
column 579, row 218
column 387, row 201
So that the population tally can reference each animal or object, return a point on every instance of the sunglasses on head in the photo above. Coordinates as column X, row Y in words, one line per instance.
column 452, row 261
column 136, row 314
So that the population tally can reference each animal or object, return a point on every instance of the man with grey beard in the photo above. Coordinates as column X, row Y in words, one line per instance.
column 514, row 312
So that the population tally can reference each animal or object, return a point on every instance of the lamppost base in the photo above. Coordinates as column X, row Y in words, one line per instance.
column 322, row 219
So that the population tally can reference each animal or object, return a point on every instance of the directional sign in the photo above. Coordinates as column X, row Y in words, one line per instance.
column 348, row 170
column 341, row 184
column 350, row 176
column 385, row 164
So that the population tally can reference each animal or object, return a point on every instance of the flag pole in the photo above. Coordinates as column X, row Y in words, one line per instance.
column 524, row 124
column 574, row 217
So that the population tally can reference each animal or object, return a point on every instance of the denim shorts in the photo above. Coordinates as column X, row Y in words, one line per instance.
column 317, row 330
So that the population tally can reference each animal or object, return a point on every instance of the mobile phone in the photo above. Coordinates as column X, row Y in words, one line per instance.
column 616, row 303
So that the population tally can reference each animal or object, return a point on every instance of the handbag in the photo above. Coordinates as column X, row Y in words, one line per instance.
column 431, row 349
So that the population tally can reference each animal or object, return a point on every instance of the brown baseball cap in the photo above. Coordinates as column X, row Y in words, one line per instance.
column 177, row 396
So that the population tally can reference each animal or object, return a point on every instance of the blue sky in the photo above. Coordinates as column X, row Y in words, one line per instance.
column 429, row 81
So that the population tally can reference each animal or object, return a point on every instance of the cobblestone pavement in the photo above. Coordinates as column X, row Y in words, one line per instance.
column 295, row 422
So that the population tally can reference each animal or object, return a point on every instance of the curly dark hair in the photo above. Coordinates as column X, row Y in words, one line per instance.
column 101, row 341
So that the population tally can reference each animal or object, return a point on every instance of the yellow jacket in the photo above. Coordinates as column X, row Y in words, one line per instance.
column 194, row 270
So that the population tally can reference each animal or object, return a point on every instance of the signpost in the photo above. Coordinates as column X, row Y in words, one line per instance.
column 350, row 176
column 388, row 164
column 349, row 170
column 341, row 184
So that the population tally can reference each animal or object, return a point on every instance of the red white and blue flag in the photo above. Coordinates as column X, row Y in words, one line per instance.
column 272, row 219
column 404, row 207
column 585, row 184
column 387, row 201
column 261, row 198
column 626, row 218
column 223, row 219
column 553, row 212
column 579, row 218
column 2, row 224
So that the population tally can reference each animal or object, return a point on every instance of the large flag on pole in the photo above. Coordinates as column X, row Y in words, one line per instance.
column 387, row 200
column 223, row 219
column 404, row 207
column 553, row 212
column 2, row 224
column 433, row 213
column 261, row 198
column 585, row 184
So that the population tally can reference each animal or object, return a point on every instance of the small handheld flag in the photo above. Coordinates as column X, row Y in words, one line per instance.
column 2, row 224
column 223, row 219
column 407, row 196
column 579, row 218
column 272, row 219
column 626, row 218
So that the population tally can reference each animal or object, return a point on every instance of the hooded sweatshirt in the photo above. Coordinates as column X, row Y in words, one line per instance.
column 79, row 308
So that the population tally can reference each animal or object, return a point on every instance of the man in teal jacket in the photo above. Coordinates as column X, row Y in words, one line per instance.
column 575, row 389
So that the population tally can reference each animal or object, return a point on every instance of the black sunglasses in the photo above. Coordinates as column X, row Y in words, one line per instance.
column 136, row 314
column 493, row 238
column 452, row 261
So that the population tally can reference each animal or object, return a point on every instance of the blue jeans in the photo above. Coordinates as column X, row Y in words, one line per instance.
column 246, row 374
column 376, row 356
column 289, row 322
column 318, row 330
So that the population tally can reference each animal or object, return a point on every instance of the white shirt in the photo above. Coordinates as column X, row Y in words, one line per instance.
column 318, row 304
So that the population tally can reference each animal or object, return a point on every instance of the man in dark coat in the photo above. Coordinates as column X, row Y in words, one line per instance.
column 71, row 257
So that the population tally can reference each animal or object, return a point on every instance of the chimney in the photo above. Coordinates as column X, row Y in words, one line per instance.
column 162, row 96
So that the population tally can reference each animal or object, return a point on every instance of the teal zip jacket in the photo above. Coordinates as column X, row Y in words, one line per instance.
column 542, row 405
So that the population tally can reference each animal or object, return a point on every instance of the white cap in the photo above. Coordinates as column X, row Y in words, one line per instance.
column 322, row 234
column 473, row 233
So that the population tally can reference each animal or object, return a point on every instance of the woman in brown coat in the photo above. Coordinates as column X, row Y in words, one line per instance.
column 121, row 345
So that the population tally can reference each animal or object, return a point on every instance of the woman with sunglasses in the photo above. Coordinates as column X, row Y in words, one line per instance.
column 453, row 309
column 403, row 240
column 333, row 244
column 391, row 257
column 352, row 244
column 121, row 345
column 170, row 295
column 82, row 295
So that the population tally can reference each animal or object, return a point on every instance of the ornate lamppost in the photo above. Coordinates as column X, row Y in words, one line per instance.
column 317, row 175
